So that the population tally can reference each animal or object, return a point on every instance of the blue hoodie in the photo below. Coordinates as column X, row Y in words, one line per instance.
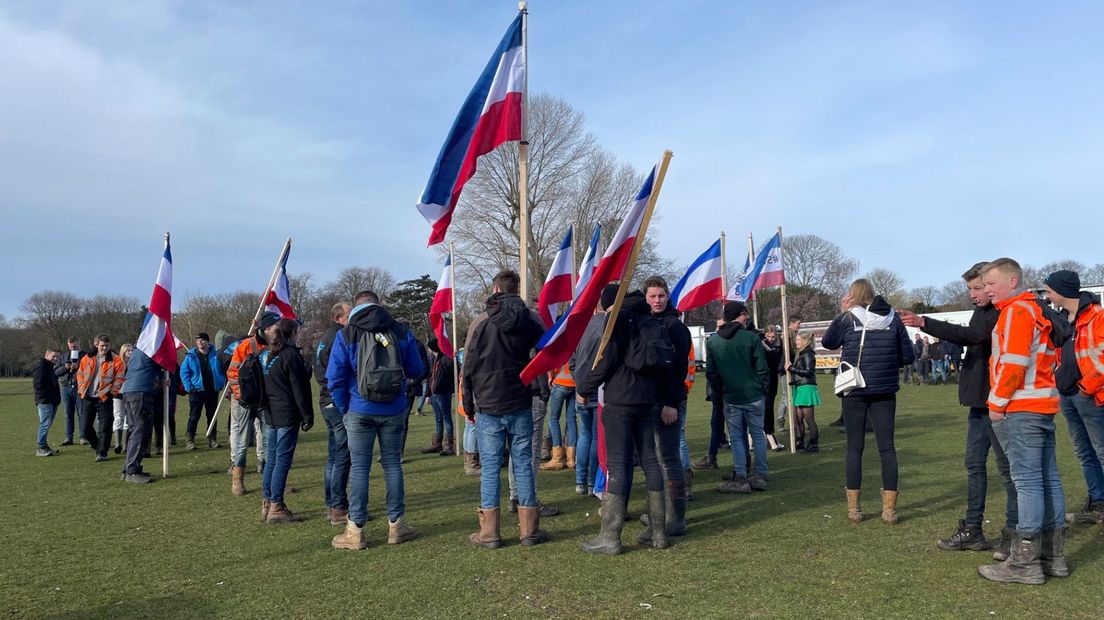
column 192, row 375
column 341, row 371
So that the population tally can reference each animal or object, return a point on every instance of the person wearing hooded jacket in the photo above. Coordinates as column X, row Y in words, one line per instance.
column 367, row 419
column 497, row 349
column 203, row 379
column 884, row 351
column 246, row 424
column 335, row 478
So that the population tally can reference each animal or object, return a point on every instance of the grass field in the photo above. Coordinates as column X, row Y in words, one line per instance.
column 77, row 542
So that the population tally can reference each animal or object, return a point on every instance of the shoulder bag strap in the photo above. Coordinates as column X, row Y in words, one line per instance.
column 862, row 340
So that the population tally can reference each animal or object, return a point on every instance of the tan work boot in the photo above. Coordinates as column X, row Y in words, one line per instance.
column 570, row 457
column 487, row 536
column 529, row 526
column 351, row 538
column 854, row 510
column 434, row 445
column 558, row 460
column 237, row 481
column 265, row 505
column 278, row 513
column 471, row 464
column 399, row 532
column 889, row 506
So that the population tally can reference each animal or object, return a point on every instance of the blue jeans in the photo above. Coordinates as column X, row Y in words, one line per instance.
column 562, row 399
column 1086, row 428
column 684, row 448
column 471, row 442
column 335, row 479
column 495, row 431
column 1042, row 503
column 586, row 453
column 280, row 444
column 442, row 413
column 71, row 400
column 363, row 431
column 939, row 371
column 742, row 420
column 980, row 438
column 46, row 413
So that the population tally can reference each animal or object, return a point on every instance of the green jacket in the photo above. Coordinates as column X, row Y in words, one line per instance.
column 736, row 365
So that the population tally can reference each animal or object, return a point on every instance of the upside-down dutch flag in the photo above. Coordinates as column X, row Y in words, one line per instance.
column 766, row 272
column 557, row 344
column 442, row 303
column 734, row 292
column 156, row 339
column 491, row 115
column 558, row 287
column 590, row 259
column 278, row 299
column 702, row 283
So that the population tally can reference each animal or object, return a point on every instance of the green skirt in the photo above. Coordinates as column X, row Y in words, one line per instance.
column 806, row 396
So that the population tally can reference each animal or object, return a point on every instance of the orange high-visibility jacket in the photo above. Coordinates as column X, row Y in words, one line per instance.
column 243, row 350
column 691, row 371
column 564, row 378
column 1021, row 367
column 1088, row 346
column 112, row 373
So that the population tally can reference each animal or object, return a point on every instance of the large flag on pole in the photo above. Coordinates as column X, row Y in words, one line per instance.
column 156, row 339
column 558, row 286
column 491, row 115
column 702, row 283
column 734, row 292
column 557, row 344
column 764, row 273
column 590, row 258
column 278, row 298
column 442, row 303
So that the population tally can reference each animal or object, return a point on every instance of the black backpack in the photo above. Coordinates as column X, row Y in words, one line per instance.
column 380, row 374
column 650, row 346
column 1061, row 330
column 251, row 384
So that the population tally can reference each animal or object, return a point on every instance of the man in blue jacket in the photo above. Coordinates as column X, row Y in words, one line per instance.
column 377, row 354
column 203, row 379
column 140, row 389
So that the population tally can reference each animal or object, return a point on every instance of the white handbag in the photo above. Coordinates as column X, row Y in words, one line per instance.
column 849, row 377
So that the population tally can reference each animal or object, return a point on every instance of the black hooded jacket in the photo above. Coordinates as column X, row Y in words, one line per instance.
column 498, row 348
column 624, row 387
column 322, row 361
column 977, row 337
column 287, row 386
column 1068, row 375
column 672, row 389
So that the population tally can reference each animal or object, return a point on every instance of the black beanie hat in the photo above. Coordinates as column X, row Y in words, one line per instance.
column 268, row 319
column 734, row 309
column 1065, row 282
column 609, row 295
column 203, row 336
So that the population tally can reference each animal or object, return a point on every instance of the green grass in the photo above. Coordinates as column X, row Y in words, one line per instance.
column 77, row 542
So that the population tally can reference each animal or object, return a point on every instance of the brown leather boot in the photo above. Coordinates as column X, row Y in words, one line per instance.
column 854, row 510
column 570, row 457
column 278, row 513
column 487, row 536
column 338, row 516
column 448, row 446
column 471, row 464
column 558, row 461
column 352, row 538
column 265, row 505
column 529, row 526
column 434, row 445
column 889, row 506
column 237, row 481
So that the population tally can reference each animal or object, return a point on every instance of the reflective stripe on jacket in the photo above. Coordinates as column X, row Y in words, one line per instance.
column 1089, row 348
column 691, row 371
column 1021, row 368
column 564, row 378
column 112, row 372
column 242, row 351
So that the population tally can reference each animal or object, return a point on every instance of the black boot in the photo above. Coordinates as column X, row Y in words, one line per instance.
column 119, row 441
column 838, row 422
column 657, row 513
column 965, row 537
column 1004, row 546
column 1022, row 565
column 608, row 541
column 813, row 446
column 799, row 443
column 676, row 507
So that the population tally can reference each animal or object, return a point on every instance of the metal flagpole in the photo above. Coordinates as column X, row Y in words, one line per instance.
column 724, row 275
column 252, row 327
column 786, row 358
column 523, row 160
column 461, row 421
column 754, row 298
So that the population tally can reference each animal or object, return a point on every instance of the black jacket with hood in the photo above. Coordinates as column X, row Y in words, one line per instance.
column 287, row 386
column 322, row 362
column 498, row 348
column 887, row 347
column 441, row 382
column 624, row 387
column 47, row 391
column 977, row 337
column 672, row 388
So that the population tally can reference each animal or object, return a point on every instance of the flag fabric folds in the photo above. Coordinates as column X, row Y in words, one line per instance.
column 490, row 116
column 278, row 298
column 557, row 344
column 442, row 303
column 558, row 286
column 734, row 292
column 590, row 257
column 702, row 283
column 156, row 339
column 764, row 273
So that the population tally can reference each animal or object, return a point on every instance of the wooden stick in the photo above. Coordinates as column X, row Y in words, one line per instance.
column 165, row 429
column 458, row 430
column 630, row 266
column 786, row 357
column 724, row 275
column 523, row 162
column 754, row 299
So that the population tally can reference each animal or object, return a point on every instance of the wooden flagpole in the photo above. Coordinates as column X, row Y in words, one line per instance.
column 786, row 358
column 252, row 328
column 630, row 266
column 523, row 161
column 724, row 274
column 458, row 430
column 754, row 297
column 165, row 422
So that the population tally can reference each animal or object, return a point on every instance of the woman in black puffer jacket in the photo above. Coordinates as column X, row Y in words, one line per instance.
column 806, row 398
column 887, row 348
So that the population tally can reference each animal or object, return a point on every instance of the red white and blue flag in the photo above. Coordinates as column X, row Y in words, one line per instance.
column 491, row 115
column 702, row 283
column 764, row 273
column 442, row 303
column 557, row 344
column 278, row 298
column 590, row 259
column 156, row 339
column 558, row 286
column 734, row 292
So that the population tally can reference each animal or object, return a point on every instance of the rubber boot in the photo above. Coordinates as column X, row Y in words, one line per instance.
column 191, row 441
column 471, row 464
column 570, row 457
column 119, row 445
column 529, row 526
column 487, row 536
column 448, row 447
column 676, row 507
column 546, row 448
column 657, row 513
column 1022, row 565
column 854, row 509
column 352, row 538
column 237, row 481
column 399, row 532
column 434, row 445
column 608, row 541
column 558, row 461
column 1052, row 554
column 889, row 507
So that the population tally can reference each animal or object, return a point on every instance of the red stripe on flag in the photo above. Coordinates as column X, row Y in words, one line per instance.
column 161, row 303
column 557, row 290
column 699, row 296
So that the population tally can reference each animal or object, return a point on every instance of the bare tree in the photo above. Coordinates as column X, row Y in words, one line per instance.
column 119, row 316
column 887, row 283
column 818, row 264
column 954, row 296
column 1093, row 276
column 54, row 314
column 353, row 280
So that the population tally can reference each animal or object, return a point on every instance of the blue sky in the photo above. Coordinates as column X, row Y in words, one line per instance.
column 919, row 136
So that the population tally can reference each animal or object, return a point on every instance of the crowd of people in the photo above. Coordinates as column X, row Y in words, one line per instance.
column 1024, row 362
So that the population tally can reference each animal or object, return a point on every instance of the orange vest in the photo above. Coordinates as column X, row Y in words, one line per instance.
column 691, row 371
column 242, row 351
column 112, row 373
column 564, row 378
column 1021, row 368
column 1088, row 346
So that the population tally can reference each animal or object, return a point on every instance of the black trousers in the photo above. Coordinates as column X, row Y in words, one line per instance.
column 858, row 411
column 667, row 438
column 716, row 426
column 630, row 431
column 98, row 418
column 205, row 401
